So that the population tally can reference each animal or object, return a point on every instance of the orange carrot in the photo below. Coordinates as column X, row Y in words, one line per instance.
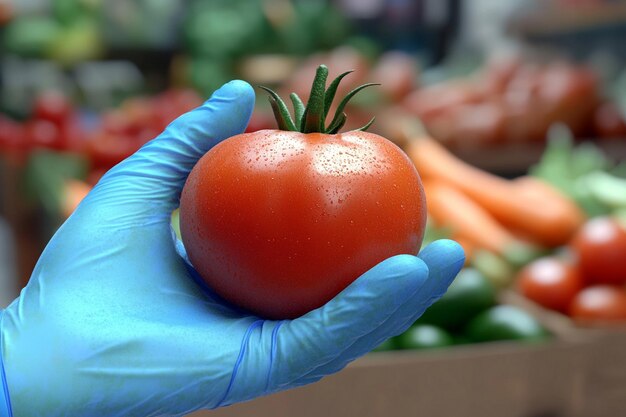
column 74, row 193
column 468, row 246
column 466, row 220
column 530, row 206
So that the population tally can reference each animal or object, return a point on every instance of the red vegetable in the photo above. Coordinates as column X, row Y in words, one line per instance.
column 599, row 303
column 54, row 107
column 551, row 282
column 42, row 134
column 601, row 249
column 608, row 121
column 279, row 222
column 106, row 150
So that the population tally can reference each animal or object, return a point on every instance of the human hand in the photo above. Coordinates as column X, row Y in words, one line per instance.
column 111, row 324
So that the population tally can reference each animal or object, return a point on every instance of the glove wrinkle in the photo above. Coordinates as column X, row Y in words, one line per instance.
column 240, row 358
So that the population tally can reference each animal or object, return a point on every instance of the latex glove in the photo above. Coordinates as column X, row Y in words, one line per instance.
column 111, row 323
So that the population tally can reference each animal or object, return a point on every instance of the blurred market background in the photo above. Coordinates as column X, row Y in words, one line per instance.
column 510, row 109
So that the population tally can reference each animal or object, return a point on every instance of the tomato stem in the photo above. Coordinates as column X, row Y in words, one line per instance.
column 312, row 117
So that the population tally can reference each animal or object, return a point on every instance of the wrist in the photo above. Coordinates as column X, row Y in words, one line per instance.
column 5, row 401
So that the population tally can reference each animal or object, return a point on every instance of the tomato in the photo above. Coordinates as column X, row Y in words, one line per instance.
column 42, row 134
column 600, row 246
column 106, row 150
column 397, row 73
column 279, row 222
column 11, row 135
column 137, row 112
column 608, row 121
column 550, row 282
column 52, row 106
column 117, row 122
column 599, row 303
column 570, row 95
column 498, row 73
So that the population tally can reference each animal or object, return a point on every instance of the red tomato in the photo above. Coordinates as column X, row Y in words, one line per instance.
column 42, row 134
column 608, row 121
column 279, row 222
column 11, row 135
column 52, row 106
column 137, row 112
column 600, row 246
column 599, row 303
column 186, row 100
column 432, row 101
column 397, row 74
column 550, row 282
column 107, row 150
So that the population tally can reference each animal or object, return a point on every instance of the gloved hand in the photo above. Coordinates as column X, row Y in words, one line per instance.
column 111, row 324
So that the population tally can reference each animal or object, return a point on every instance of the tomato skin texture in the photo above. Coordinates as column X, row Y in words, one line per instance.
column 550, row 282
column 600, row 303
column 600, row 246
column 280, row 222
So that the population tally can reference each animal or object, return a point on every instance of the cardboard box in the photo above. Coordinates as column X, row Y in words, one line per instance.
column 488, row 380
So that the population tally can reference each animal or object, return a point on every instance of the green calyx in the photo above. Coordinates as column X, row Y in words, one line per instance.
column 312, row 117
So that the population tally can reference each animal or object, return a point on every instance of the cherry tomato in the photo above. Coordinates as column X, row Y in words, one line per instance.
column 52, row 106
column 550, row 282
column 599, row 303
column 280, row 222
column 600, row 246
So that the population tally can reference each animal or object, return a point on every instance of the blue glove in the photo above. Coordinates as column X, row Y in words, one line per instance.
column 111, row 324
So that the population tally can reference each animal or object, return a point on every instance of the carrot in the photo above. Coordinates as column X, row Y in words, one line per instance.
column 466, row 220
column 534, row 208
column 468, row 246
column 74, row 193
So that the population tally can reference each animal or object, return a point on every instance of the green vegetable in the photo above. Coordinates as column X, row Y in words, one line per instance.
column 495, row 268
column 44, row 178
column 80, row 42
column 30, row 36
column 470, row 293
column 68, row 12
column 385, row 346
column 562, row 165
column 424, row 336
column 606, row 188
column 505, row 322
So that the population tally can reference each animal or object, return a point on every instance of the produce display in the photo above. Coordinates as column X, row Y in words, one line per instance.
column 511, row 101
column 508, row 101
column 536, row 244
column 377, row 128
column 468, row 313
column 555, row 235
